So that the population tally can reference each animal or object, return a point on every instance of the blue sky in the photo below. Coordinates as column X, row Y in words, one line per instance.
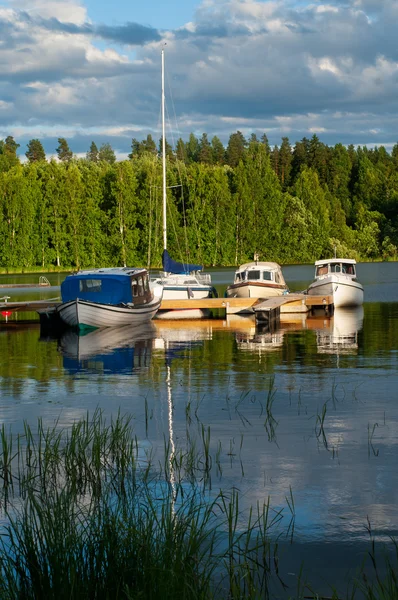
column 90, row 70
column 161, row 15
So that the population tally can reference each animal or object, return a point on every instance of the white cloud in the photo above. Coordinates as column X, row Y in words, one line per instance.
column 255, row 66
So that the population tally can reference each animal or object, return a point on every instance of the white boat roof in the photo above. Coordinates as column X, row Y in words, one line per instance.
column 271, row 266
column 328, row 261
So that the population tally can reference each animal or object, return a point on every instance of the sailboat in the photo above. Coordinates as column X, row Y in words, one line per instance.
column 180, row 281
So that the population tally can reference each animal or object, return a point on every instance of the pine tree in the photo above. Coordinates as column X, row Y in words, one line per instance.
column 92, row 154
column 218, row 151
column 11, row 146
column 205, row 154
column 35, row 152
column 235, row 149
column 65, row 154
column 181, row 152
column 149, row 145
column 192, row 148
column 285, row 162
column 264, row 140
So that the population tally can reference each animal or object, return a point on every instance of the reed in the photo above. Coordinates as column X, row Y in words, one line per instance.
column 95, row 518
column 89, row 514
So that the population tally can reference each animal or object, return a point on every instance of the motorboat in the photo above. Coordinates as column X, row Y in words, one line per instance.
column 337, row 277
column 110, row 297
column 258, row 280
column 180, row 281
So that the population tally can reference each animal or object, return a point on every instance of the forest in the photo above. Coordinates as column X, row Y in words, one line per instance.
column 290, row 203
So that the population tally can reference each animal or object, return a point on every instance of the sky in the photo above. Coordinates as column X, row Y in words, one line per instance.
column 90, row 70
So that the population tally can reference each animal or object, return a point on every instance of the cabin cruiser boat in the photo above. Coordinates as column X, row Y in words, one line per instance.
column 337, row 277
column 108, row 298
column 258, row 280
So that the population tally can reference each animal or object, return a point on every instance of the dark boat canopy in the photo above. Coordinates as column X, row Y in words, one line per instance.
column 105, row 286
column 171, row 266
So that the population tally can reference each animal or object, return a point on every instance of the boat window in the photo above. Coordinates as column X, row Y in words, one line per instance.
column 267, row 275
column 134, row 287
column 349, row 269
column 90, row 285
column 336, row 268
column 255, row 275
column 237, row 276
column 322, row 270
column 278, row 278
column 146, row 283
column 140, row 288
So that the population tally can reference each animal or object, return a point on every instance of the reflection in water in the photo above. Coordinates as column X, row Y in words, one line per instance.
column 207, row 374
column 108, row 350
column 340, row 335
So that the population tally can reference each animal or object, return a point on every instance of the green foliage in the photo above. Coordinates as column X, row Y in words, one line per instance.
column 223, row 205
column 93, row 155
column 35, row 151
column 107, row 154
column 63, row 151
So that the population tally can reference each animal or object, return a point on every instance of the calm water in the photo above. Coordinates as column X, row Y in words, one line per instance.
column 330, row 435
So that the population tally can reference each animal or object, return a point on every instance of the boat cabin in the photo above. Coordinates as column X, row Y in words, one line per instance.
column 335, row 265
column 260, row 271
column 116, row 286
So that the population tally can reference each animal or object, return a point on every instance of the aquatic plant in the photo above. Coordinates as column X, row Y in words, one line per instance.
column 91, row 517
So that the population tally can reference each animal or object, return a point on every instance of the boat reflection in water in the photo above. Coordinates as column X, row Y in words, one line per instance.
column 108, row 350
column 252, row 338
column 340, row 332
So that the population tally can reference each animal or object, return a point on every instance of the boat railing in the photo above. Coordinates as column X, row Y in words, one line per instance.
column 203, row 277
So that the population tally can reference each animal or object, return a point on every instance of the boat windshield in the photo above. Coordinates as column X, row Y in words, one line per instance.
column 254, row 275
column 336, row 268
column 348, row 268
column 322, row 270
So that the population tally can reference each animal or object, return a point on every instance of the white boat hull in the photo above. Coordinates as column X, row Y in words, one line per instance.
column 254, row 290
column 345, row 291
column 82, row 313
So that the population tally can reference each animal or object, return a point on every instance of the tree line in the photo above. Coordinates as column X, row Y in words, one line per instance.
column 286, row 203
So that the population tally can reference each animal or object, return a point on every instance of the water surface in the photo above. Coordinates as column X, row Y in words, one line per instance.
column 308, row 411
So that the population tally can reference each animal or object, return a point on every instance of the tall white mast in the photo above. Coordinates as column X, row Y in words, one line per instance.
column 164, row 161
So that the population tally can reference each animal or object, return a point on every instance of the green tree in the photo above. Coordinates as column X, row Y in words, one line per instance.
column 236, row 149
column 310, row 192
column 181, row 151
column 11, row 146
column 35, row 151
column 285, row 162
column 63, row 151
column 205, row 153
column 107, row 154
column 122, row 212
column 192, row 149
column 218, row 151
column 93, row 154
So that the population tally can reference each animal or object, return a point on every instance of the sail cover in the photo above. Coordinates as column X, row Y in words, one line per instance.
column 171, row 266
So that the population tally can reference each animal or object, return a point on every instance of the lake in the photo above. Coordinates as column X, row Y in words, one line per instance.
column 306, row 415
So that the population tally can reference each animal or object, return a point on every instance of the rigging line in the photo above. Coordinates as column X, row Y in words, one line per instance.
column 152, row 204
column 184, row 215
column 170, row 215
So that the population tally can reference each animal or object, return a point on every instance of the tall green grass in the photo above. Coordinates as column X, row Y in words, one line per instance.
column 86, row 512
column 89, row 516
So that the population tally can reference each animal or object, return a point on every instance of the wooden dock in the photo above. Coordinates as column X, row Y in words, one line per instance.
column 290, row 303
column 264, row 310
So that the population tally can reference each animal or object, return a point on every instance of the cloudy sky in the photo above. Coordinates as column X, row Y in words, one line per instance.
column 90, row 70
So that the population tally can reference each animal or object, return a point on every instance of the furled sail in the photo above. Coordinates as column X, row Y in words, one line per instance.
column 172, row 266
